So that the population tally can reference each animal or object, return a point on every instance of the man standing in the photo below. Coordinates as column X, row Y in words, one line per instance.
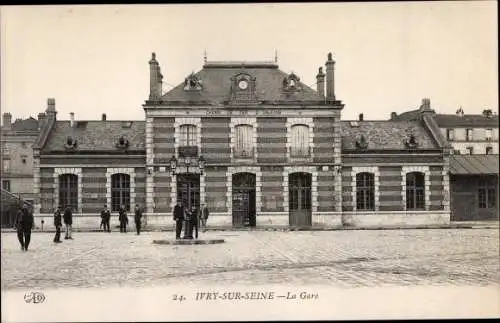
column 195, row 219
column 68, row 221
column 123, row 218
column 188, row 227
column 137, row 218
column 203, row 217
column 24, row 224
column 105, row 216
column 178, row 218
column 58, row 225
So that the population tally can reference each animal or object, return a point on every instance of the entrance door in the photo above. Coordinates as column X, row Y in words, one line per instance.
column 299, row 199
column 244, row 200
column 188, row 190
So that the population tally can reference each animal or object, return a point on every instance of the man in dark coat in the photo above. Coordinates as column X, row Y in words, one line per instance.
column 68, row 221
column 137, row 218
column 24, row 224
column 188, row 226
column 178, row 218
column 123, row 218
column 105, row 216
column 58, row 224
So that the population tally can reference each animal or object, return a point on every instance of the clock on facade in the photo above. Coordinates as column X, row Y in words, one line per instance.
column 243, row 84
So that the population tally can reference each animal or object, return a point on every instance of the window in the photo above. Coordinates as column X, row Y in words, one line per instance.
column 468, row 134
column 6, row 165
column 24, row 158
column 300, row 141
column 486, row 194
column 489, row 133
column 68, row 190
column 489, row 150
column 244, row 141
column 415, row 191
column 365, row 188
column 450, row 134
column 120, row 191
column 470, row 149
column 6, row 184
column 188, row 135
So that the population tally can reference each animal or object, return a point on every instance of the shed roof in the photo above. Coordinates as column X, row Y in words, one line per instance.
column 474, row 164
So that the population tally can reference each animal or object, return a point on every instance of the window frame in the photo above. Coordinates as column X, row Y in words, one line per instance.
column 68, row 190
column 365, row 191
column 415, row 191
column 300, row 147
column 188, row 135
column 486, row 194
column 120, row 191
column 450, row 134
column 468, row 134
column 240, row 142
column 6, row 187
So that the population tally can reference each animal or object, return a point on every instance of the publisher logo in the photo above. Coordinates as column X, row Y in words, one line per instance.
column 34, row 297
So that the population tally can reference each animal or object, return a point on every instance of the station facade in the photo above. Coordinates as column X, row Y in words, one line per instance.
column 254, row 144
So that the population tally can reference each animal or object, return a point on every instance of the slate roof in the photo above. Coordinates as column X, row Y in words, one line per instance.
column 97, row 135
column 22, row 125
column 216, row 80
column 385, row 135
column 467, row 120
column 474, row 164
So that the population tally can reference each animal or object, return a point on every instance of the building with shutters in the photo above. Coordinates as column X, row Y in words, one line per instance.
column 256, row 145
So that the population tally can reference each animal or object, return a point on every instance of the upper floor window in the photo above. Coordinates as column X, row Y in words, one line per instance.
column 450, row 134
column 489, row 134
column 489, row 150
column 6, row 164
column 300, row 141
column 243, row 141
column 471, row 150
column 415, row 191
column 468, row 134
column 365, row 191
column 187, row 135
column 487, row 194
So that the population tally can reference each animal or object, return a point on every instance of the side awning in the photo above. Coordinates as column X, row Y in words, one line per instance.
column 474, row 164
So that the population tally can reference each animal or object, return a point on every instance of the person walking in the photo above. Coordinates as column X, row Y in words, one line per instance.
column 123, row 218
column 24, row 224
column 137, row 218
column 178, row 218
column 105, row 217
column 204, row 217
column 68, row 222
column 195, row 221
column 58, row 224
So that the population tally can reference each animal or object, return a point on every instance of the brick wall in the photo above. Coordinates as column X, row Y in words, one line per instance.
column 271, row 140
column 272, row 189
column 324, row 139
column 215, row 140
column 94, row 189
column 215, row 180
column 390, row 188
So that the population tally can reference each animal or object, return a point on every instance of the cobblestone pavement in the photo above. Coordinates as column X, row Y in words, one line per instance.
column 337, row 258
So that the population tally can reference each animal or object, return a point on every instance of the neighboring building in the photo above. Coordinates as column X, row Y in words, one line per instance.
column 17, row 139
column 474, row 167
column 254, row 144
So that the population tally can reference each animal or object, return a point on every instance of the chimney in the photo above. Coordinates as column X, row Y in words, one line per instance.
column 360, row 117
column 330, row 78
column 320, row 82
column 41, row 117
column 72, row 119
column 7, row 121
column 460, row 112
column 103, row 117
column 426, row 104
column 394, row 115
column 155, row 78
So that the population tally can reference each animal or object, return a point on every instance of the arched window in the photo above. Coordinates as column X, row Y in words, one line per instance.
column 365, row 191
column 244, row 141
column 120, row 191
column 300, row 141
column 187, row 135
column 415, row 191
column 68, row 191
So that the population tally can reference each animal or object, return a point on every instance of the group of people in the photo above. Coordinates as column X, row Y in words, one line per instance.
column 122, row 218
column 190, row 219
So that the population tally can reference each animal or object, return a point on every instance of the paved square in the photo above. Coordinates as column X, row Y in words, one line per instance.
column 336, row 258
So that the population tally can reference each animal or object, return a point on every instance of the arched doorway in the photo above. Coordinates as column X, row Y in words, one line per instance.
column 244, row 200
column 299, row 190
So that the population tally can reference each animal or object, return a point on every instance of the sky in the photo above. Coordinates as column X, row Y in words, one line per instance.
column 94, row 59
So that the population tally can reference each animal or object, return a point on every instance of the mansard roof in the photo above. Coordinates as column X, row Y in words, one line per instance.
column 217, row 77
column 96, row 136
column 467, row 120
column 385, row 135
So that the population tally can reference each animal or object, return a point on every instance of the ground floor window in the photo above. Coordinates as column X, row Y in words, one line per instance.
column 68, row 191
column 415, row 191
column 486, row 194
column 120, row 191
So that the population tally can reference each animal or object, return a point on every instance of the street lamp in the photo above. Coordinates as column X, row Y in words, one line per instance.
column 173, row 164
